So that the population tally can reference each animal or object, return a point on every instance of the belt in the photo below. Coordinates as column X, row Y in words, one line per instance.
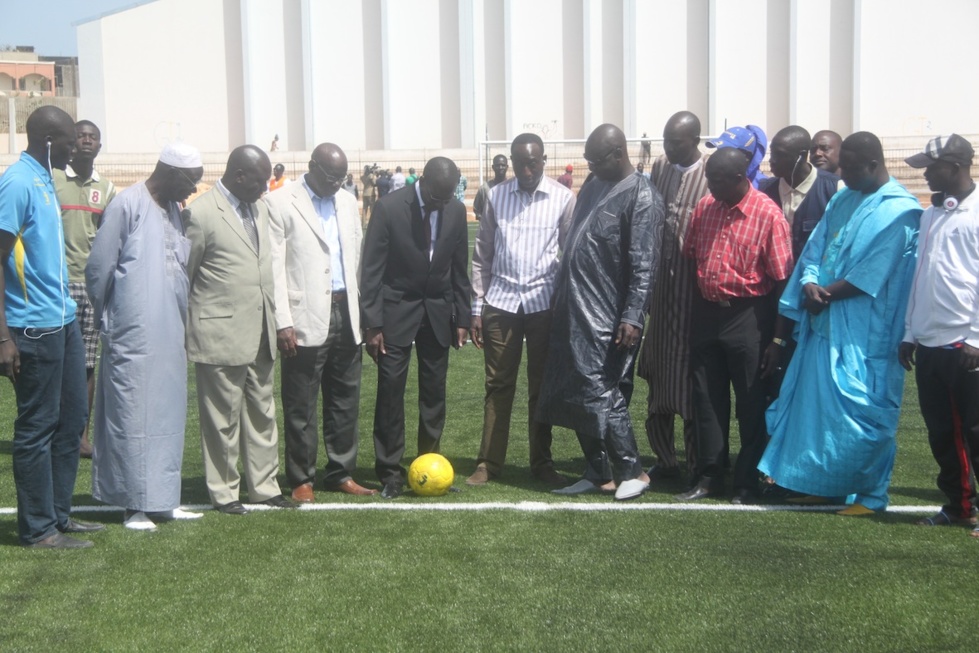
column 735, row 302
column 340, row 296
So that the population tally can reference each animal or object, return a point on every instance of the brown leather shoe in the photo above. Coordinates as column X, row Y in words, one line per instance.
column 350, row 486
column 480, row 477
column 303, row 493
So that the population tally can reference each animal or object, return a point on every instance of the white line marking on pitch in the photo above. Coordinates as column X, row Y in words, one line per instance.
column 529, row 506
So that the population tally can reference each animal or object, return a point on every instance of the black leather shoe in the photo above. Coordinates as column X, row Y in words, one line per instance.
column 661, row 473
column 704, row 488
column 744, row 497
column 393, row 490
column 60, row 541
column 233, row 508
column 75, row 526
column 278, row 501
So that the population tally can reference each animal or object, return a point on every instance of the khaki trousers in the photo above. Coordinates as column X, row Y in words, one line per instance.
column 237, row 413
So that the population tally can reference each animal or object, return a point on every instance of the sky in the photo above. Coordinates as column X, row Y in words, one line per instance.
column 47, row 24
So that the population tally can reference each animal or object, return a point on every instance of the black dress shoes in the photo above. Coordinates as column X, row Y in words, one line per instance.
column 278, row 501
column 233, row 508
column 75, row 526
column 744, row 497
column 705, row 488
column 60, row 541
column 393, row 490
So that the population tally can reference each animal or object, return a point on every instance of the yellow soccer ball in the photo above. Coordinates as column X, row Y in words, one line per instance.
column 431, row 475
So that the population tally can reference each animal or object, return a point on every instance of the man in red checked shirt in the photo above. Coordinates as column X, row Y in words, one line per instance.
column 743, row 249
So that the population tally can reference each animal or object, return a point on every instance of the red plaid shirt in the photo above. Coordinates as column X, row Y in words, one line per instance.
column 741, row 250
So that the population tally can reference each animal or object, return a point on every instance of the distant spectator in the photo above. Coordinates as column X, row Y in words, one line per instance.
column 645, row 151
column 411, row 178
column 384, row 183
column 397, row 179
column 566, row 179
column 500, row 166
column 351, row 187
column 278, row 177
column 369, row 181
column 461, row 188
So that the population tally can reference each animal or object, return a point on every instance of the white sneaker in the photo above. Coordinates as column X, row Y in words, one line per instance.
column 139, row 522
column 584, row 486
column 180, row 513
column 630, row 489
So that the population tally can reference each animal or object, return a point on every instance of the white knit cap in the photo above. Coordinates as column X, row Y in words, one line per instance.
column 181, row 155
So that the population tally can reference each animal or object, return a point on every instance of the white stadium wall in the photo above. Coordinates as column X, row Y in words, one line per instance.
column 437, row 74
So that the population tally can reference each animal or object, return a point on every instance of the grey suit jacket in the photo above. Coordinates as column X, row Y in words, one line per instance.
column 231, row 299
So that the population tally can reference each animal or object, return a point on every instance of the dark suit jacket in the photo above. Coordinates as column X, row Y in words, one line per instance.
column 810, row 211
column 398, row 284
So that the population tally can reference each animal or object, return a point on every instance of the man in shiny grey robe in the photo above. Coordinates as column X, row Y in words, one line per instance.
column 137, row 283
column 602, row 290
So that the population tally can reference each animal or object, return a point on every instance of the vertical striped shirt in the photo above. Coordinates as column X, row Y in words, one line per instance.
column 741, row 250
column 520, row 237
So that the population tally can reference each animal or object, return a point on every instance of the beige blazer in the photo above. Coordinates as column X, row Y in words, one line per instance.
column 231, row 285
column 301, row 262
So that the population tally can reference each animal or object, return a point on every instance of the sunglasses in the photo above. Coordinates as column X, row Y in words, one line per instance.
column 595, row 162
column 328, row 178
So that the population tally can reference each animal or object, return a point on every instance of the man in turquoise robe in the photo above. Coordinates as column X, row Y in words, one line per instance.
column 832, row 427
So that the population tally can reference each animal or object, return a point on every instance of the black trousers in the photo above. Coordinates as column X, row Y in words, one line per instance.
column 725, row 350
column 389, row 411
column 949, row 400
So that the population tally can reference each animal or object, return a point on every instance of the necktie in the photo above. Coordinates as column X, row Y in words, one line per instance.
column 427, row 227
column 248, row 221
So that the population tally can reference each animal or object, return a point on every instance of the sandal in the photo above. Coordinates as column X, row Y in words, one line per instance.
column 942, row 518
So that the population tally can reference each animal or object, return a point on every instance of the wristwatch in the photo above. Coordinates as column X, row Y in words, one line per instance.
column 781, row 343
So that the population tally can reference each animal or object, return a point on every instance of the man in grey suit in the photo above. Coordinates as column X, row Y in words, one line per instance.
column 229, row 332
column 316, row 236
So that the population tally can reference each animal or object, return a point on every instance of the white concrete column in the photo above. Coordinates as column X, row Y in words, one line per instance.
column 472, row 72
column 534, row 79
column 262, row 45
column 333, row 37
column 594, row 58
column 738, row 57
column 411, row 56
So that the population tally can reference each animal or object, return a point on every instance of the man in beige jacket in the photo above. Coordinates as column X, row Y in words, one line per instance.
column 316, row 242
column 230, row 333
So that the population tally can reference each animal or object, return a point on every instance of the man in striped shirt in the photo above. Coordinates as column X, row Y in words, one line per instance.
column 743, row 251
column 665, row 357
column 514, row 270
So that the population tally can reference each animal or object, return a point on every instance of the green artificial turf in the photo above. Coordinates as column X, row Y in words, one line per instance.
column 498, row 580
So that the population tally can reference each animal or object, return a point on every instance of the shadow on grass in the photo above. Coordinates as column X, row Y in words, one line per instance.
column 931, row 495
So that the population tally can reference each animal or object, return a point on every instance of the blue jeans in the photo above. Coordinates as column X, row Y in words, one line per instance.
column 52, row 409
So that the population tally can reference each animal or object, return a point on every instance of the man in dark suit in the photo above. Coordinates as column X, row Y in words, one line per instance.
column 414, row 287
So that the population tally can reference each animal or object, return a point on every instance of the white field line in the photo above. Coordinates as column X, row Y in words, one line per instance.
column 528, row 506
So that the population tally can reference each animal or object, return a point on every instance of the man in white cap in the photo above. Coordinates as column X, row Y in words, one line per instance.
column 941, row 332
column 137, row 283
